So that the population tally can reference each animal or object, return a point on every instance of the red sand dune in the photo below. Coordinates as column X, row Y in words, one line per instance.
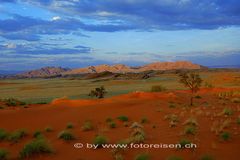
column 153, row 106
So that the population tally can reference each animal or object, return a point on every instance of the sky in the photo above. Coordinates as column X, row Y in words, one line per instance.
column 79, row 33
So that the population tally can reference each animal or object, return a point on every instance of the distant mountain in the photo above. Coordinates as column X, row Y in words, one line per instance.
column 43, row 72
column 120, row 68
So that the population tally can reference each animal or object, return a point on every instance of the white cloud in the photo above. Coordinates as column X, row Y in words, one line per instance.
column 56, row 18
column 10, row 45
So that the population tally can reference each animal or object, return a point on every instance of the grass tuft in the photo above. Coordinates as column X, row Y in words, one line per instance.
column 66, row 135
column 225, row 136
column 3, row 134
column 206, row 157
column 37, row 134
column 69, row 125
column 48, row 129
column 142, row 156
column 100, row 140
column 184, row 142
column 87, row 126
column 3, row 154
column 17, row 135
column 190, row 130
column 37, row 146
column 123, row 118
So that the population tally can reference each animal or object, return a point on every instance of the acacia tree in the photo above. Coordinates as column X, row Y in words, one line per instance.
column 98, row 92
column 191, row 80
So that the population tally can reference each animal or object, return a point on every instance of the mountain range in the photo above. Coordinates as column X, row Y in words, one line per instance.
column 117, row 68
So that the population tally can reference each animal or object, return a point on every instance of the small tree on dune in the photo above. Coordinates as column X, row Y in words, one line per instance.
column 191, row 80
column 98, row 92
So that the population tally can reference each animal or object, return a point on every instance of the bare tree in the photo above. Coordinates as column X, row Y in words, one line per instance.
column 191, row 80
column 98, row 92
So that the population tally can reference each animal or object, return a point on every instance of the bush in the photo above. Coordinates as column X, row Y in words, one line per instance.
column 100, row 140
column 238, row 121
column 3, row 154
column 143, row 156
column 48, row 129
column 227, row 111
column 206, row 157
column 190, row 130
column 109, row 120
column 37, row 134
column 191, row 122
column 158, row 88
column 66, row 135
column 69, row 125
column 87, row 126
column 198, row 97
column 137, row 133
column 2, row 107
column 98, row 92
column 144, row 120
column 3, row 134
column 17, row 135
column 174, row 158
column 225, row 136
column 13, row 102
column 112, row 124
column 123, row 118
column 171, row 105
column 184, row 142
column 37, row 146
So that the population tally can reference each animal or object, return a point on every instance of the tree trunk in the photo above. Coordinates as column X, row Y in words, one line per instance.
column 191, row 100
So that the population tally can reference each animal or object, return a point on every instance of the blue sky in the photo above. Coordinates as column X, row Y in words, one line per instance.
column 77, row 33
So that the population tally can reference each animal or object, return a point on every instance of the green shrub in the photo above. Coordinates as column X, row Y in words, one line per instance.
column 37, row 134
column 174, row 158
column 118, row 157
column 13, row 102
column 144, row 120
column 184, row 142
column 3, row 134
column 66, row 135
column 109, row 120
column 69, row 125
column 206, row 157
column 143, row 156
column 191, row 122
column 48, row 129
column 190, row 130
column 99, row 140
column 171, row 105
column 87, row 126
column 238, row 121
column 112, row 124
column 17, row 135
column 227, row 111
column 3, row 154
column 198, row 97
column 225, row 136
column 157, row 88
column 123, row 118
column 37, row 146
